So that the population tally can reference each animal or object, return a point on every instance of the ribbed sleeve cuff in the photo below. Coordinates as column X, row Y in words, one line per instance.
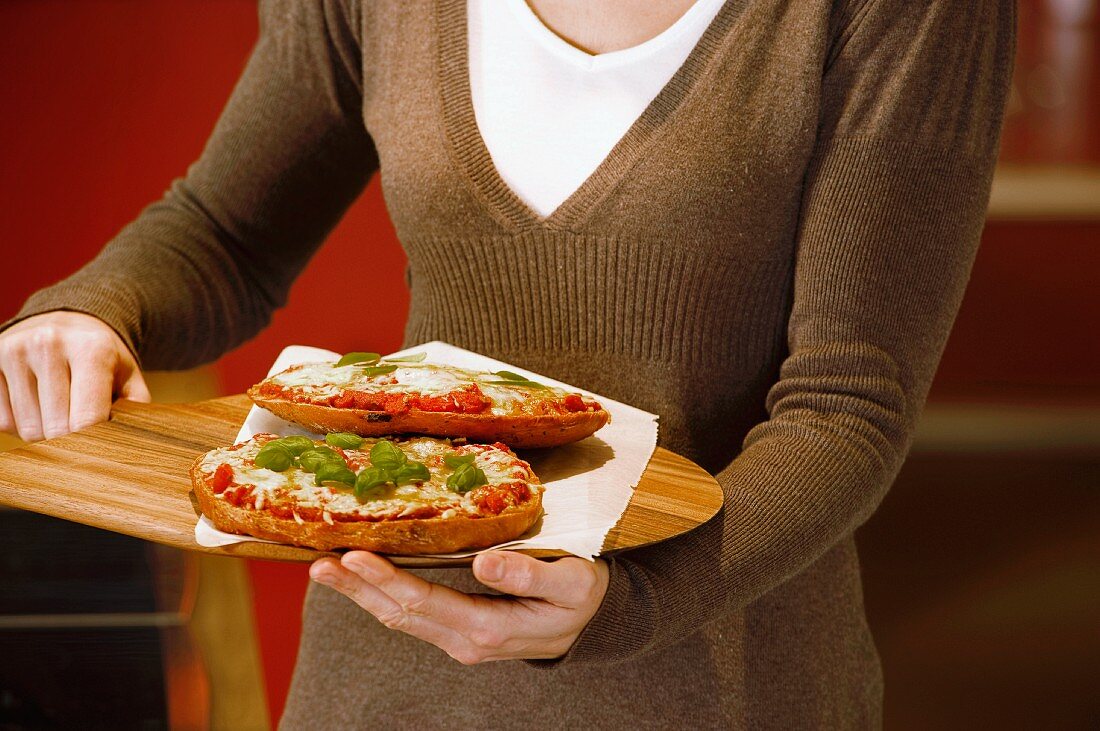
column 116, row 307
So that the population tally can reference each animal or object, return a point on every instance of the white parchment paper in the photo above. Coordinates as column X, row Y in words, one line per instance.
column 588, row 483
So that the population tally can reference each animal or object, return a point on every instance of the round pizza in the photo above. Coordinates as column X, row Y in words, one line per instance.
column 371, row 396
column 406, row 496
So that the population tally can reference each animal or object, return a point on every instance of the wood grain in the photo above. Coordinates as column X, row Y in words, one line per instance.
column 130, row 475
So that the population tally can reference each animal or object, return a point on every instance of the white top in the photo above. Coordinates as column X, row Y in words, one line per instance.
column 549, row 113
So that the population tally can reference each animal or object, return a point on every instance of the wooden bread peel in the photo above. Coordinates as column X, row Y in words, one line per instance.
column 130, row 475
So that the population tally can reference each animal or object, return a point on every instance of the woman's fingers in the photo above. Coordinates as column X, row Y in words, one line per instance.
column 386, row 609
column 476, row 628
column 7, row 421
column 133, row 384
column 61, row 371
column 567, row 582
column 23, row 396
column 411, row 592
column 51, row 371
column 90, row 396
column 415, row 596
column 469, row 629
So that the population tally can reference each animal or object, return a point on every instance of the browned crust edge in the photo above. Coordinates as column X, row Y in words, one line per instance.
column 407, row 537
column 518, row 432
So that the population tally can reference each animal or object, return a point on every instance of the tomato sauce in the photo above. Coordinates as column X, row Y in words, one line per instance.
column 223, row 478
column 494, row 499
column 469, row 400
column 237, row 495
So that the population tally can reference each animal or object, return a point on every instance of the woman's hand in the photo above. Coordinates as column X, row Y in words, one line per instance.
column 550, row 603
column 60, row 371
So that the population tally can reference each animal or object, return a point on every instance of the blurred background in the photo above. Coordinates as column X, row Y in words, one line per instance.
column 981, row 568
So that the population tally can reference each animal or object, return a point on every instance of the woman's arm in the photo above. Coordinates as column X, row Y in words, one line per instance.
column 893, row 207
column 202, row 270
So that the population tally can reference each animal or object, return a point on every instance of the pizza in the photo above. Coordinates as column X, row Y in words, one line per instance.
column 407, row 496
column 367, row 395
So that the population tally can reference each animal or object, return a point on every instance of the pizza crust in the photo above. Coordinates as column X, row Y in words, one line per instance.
column 519, row 431
column 401, row 536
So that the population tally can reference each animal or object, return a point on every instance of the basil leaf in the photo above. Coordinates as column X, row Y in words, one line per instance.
column 274, row 457
column 518, row 384
column 467, row 477
column 454, row 460
column 457, row 481
column 414, row 358
column 379, row 370
column 344, row 440
column 385, row 455
column 335, row 472
column 357, row 357
column 510, row 376
column 312, row 459
column 412, row 472
column 295, row 444
column 368, row 480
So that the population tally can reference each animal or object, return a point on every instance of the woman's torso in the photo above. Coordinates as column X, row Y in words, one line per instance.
column 664, row 281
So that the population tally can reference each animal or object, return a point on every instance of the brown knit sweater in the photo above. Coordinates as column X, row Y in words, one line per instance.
column 770, row 259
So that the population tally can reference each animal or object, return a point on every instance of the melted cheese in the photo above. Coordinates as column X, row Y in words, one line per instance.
column 300, row 488
column 327, row 379
column 429, row 380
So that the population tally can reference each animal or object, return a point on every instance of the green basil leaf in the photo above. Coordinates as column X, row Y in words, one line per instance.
column 378, row 370
column 467, row 477
column 368, row 480
column 357, row 357
column 510, row 376
column 412, row 472
column 387, row 456
column 311, row 459
column 344, row 440
column 454, row 460
column 335, row 472
column 519, row 384
column 455, row 482
column 295, row 444
column 274, row 457
column 479, row 478
column 413, row 358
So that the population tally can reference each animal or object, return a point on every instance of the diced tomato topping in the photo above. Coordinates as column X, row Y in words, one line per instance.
column 343, row 401
column 272, row 390
column 223, row 478
column 518, row 491
column 435, row 403
column 366, row 401
column 492, row 503
column 471, row 400
column 237, row 495
column 396, row 403
column 280, row 510
column 574, row 402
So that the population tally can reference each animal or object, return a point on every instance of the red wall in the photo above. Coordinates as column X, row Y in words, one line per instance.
column 105, row 101
column 1027, row 326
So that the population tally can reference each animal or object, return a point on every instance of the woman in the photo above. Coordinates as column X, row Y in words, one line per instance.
column 769, row 256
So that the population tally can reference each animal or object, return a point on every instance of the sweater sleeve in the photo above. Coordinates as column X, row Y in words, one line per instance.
column 893, row 205
column 202, row 270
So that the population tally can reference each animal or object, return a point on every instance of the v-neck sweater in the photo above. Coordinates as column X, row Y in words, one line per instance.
column 550, row 112
column 771, row 259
